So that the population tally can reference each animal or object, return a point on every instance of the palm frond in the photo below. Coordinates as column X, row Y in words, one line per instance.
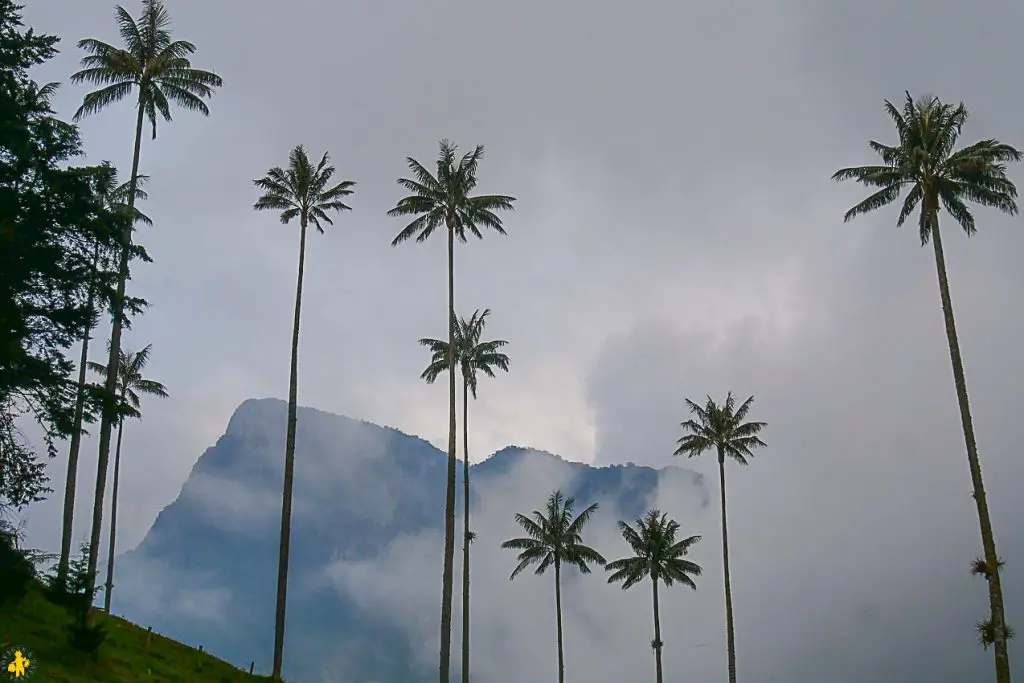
column 657, row 555
column 298, row 191
column 887, row 195
column 721, row 428
column 629, row 571
column 444, row 198
column 438, row 359
column 926, row 161
column 98, row 100
column 959, row 211
column 576, row 526
column 149, row 59
column 552, row 539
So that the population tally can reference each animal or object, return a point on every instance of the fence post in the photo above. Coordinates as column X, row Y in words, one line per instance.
column 149, row 635
column 251, row 665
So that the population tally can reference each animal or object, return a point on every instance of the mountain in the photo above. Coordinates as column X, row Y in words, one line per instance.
column 366, row 543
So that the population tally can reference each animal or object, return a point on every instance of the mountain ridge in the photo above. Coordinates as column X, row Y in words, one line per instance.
column 364, row 494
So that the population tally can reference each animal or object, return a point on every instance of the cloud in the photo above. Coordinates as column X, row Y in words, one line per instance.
column 514, row 622
column 236, row 507
column 155, row 591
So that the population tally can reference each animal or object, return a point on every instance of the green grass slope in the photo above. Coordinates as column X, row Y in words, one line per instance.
column 130, row 653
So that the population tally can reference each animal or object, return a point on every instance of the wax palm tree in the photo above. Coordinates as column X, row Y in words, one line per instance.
column 925, row 163
column 472, row 355
column 302, row 191
column 659, row 557
column 722, row 428
column 444, row 200
column 555, row 538
column 158, row 70
column 113, row 197
column 130, row 384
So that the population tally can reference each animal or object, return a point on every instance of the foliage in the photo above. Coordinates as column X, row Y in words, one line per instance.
column 51, row 220
column 445, row 199
column 85, row 635
column 656, row 553
column 987, row 633
column 150, row 62
column 924, row 162
column 301, row 190
column 17, row 570
column 471, row 354
column 130, row 382
column 721, row 427
column 554, row 537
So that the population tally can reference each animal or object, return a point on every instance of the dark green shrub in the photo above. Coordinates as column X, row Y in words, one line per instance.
column 86, row 634
column 17, row 571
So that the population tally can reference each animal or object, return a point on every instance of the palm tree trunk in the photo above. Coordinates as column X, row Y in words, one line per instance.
column 729, row 631
column 289, row 465
column 657, row 631
column 558, row 620
column 995, row 589
column 447, row 578
column 71, row 482
column 465, row 524
column 109, row 412
column 113, row 520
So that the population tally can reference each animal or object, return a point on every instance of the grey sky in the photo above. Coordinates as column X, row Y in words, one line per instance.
column 676, row 234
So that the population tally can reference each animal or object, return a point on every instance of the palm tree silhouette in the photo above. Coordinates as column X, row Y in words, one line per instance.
column 925, row 162
column 301, row 191
column 130, row 383
column 158, row 69
column 659, row 557
column 444, row 200
column 722, row 428
column 554, row 538
column 472, row 355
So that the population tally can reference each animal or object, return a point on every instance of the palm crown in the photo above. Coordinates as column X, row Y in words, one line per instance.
column 302, row 190
column 445, row 199
column 554, row 538
column 657, row 553
column 721, row 427
column 471, row 354
column 924, row 161
column 130, row 382
column 150, row 61
column 114, row 195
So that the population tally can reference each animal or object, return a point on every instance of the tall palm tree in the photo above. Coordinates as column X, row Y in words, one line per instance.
column 658, row 556
column 555, row 538
column 445, row 200
column 925, row 163
column 722, row 428
column 301, row 191
column 130, row 383
column 472, row 355
column 113, row 197
column 158, row 70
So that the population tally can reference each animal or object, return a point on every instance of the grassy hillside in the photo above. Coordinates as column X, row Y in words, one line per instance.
column 130, row 653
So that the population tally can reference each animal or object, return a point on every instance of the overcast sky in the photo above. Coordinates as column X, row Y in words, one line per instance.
column 676, row 233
